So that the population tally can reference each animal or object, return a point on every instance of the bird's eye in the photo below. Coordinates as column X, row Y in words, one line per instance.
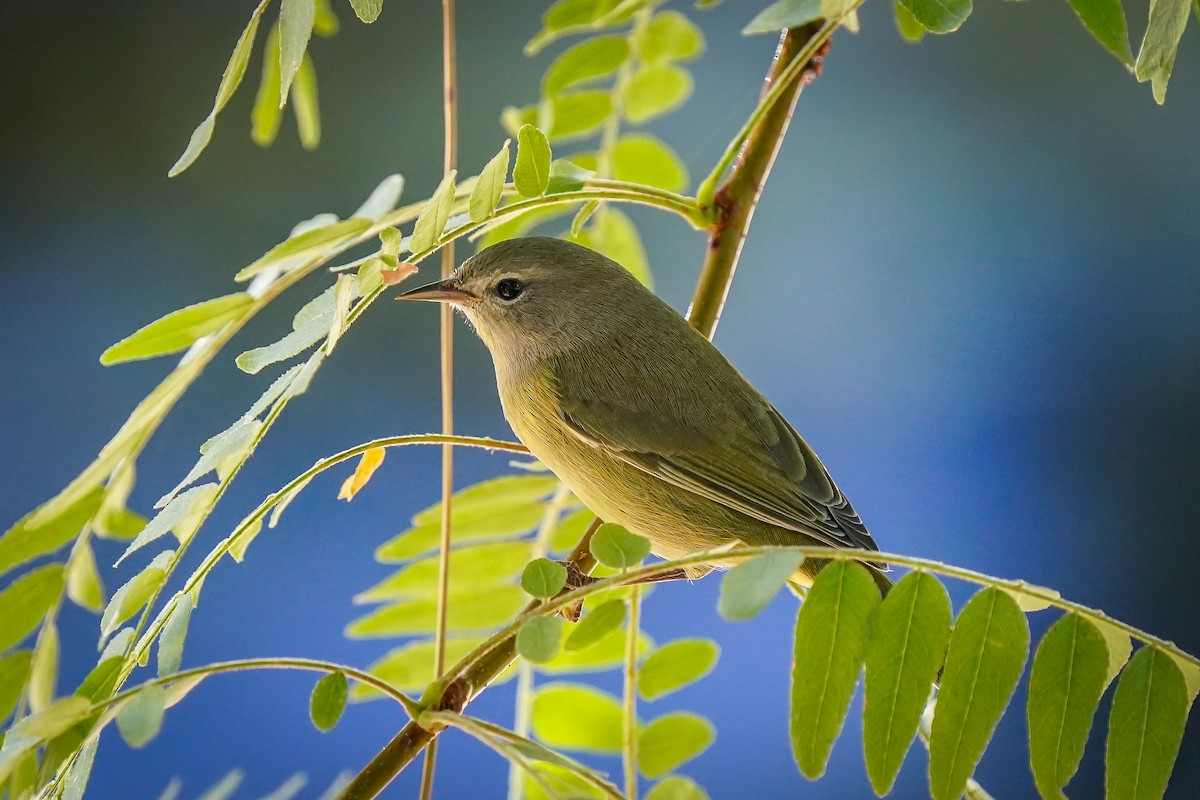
column 509, row 289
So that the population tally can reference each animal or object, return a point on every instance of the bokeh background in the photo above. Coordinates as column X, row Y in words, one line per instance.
column 972, row 285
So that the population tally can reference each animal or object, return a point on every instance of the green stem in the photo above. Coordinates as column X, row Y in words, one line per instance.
column 629, row 752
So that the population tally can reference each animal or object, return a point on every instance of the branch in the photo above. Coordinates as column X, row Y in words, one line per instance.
column 738, row 197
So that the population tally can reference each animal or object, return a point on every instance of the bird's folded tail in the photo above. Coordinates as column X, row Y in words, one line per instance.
column 800, row 582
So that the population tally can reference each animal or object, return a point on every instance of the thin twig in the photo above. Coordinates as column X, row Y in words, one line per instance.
column 629, row 742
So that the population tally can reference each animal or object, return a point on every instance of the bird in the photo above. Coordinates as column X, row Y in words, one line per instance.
column 639, row 414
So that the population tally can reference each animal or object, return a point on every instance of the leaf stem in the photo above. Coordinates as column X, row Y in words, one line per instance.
column 629, row 749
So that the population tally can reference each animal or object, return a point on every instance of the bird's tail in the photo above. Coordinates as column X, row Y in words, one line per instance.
column 800, row 582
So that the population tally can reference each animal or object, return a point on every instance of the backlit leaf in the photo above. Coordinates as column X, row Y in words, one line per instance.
column 540, row 638
column 655, row 90
column 486, row 193
column 574, row 16
column 26, row 600
column 939, row 16
column 675, row 665
column 748, row 587
column 43, row 675
column 615, row 547
column 784, row 14
column 434, row 216
column 383, row 199
column 83, row 579
column 370, row 461
column 606, row 654
column 303, row 247
column 907, row 24
column 174, row 631
column 53, row 720
column 1065, row 684
column 134, row 594
column 306, row 105
column 477, row 565
column 531, row 175
column 483, row 610
column 26, row 541
column 642, row 158
column 140, row 717
column 1105, row 19
column 14, row 673
column 224, row 788
column 597, row 624
column 832, row 631
column 328, row 701
column 984, row 661
column 615, row 236
column 543, row 578
column 670, row 36
column 671, row 740
column 591, row 59
column 1145, row 726
column 367, row 10
column 179, row 329
column 409, row 668
column 267, row 114
column 572, row 716
column 677, row 787
column 1156, row 59
column 296, row 19
column 1120, row 648
column 903, row 659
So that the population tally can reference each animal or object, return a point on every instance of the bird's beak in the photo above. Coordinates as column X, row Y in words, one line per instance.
column 441, row 292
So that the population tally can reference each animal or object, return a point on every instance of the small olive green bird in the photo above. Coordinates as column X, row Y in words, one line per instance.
column 638, row 413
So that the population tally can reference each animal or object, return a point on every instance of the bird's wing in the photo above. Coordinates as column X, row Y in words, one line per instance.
column 779, row 479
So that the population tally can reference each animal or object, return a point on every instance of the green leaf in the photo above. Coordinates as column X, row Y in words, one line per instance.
column 567, row 176
column 305, row 104
column 488, row 510
column 325, row 22
column 1145, row 726
column 675, row 665
column 642, row 158
column 14, row 673
column 572, row 716
column 676, row 787
column 543, row 578
column 615, row 547
column 832, row 630
column 300, row 248
column 984, row 661
column 26, row 600
column 100, row 682
column 606, row 654
column 939, row 16
column 80, row 771
column 328, row 701
column 578, row 115
column 531, row 174
column 540, row 638
column 784, row 14
column 382, row 200
column 476, row 565
column 140, row 717
column 224, row 788
column 520, row 225
column 671, row 740
column 174, row 631
column 256, row 360
column 267, row 114
column 1120, row 648
column 747, row 588
column 615, row 236
column 410, row 668
column 596, row 625
column 485, row 194
column 565, row 17
column 903, row 659
column 589, row 60
column 434, row 215
column 906, row 23
column 43, row 675
column 120, row 524
column 655, row 90
column 670, row 36
column 230, row 80
column 1105, row 19
column 176, row 516
column 479, row 611
column 53, row 720
column 367, row 10
column 83, row 579
column 134, row 594
column 179, row 329
column 296, row 19
column 1156, row 59
column 1065, row 684
column 26, row 541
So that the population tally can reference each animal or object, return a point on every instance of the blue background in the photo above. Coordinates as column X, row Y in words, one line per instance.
column 971, row 285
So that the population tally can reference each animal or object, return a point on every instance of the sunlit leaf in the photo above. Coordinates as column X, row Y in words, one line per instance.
column 100, row 682
column 179, row 329
column 43, row 675
column 832, row 631
column 328, row 701
column 655, row 90
column 565, row 17
column 14, row 673
column 606, row 654
column 939, row 16
column 409, row 668
column 1065, row 684
column 26, row 600
column 670, row 36
column 26, row 541
column 477, row 565
column 543, row 578
column 140, row 717
column 306, row 104
column 903, row 658
column 677, row 787
column 486, row 193
column 597, row 624
column 675, row 665
column 267, row 114
column 367, row 10
column 370, row 461
column 53, row 720
column 984, row 661
column 1120, row 648
column 642, row 158
column 1145, row 726
column 908, row 26
column 83, row 579
column 174, row 631
column 174, row 517
column 302, row 247
column 671, row 740
column 134, row 594
column 748, row 587
column 540, row 638
column 483, row 610
column 591, row 59
column 230, row 80
column 296, row 19
column 615, row 547
column 434, row 216
column 531, row 175
column 577, row 717
column 1156, row 59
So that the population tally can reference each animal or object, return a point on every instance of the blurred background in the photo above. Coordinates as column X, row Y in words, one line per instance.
column 971, row 284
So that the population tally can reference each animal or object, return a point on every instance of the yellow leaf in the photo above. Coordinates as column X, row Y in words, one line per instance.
column 367, row 465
